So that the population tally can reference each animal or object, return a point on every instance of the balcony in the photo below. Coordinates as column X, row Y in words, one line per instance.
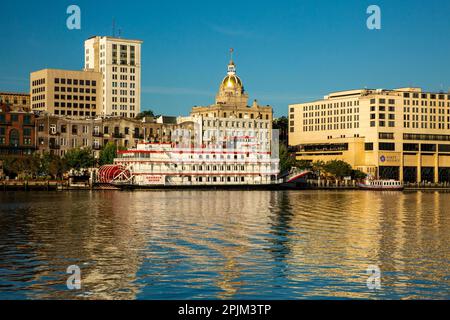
column 96, row 147
column 97, row 134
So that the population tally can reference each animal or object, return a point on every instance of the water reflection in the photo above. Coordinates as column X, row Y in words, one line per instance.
column 224, row 244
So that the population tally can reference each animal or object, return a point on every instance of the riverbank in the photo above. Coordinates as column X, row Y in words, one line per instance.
column 65, row 185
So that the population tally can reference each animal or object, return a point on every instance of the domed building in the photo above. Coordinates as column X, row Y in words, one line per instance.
column 232, row 101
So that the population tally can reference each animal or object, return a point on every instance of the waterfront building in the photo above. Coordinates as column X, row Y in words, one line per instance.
column 232, row 103
column 119, row 62
column 17, row 131
column 58, row 134
column 401, row 134
column 127, row 132
column 66, row 92
column 224, row 144
column 16, row 100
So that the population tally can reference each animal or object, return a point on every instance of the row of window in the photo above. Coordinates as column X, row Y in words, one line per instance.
column 75, row 113
column 426, row 96
column 26, row 119
column 326, row 127
column 329, row 106
column 76, row 82
column 409, row 147
column 14, row 100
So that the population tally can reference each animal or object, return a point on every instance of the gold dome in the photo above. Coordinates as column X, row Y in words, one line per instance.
column 231, row 82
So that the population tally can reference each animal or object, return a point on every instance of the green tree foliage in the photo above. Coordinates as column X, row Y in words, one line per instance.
column 358, row 175
column 144, row 114
column 287, row 159
column 79, row 159
column 338, row 169
column 108, row 154
column 52, row 166
column 282, row 124
column 21, row 166
column 304, row 165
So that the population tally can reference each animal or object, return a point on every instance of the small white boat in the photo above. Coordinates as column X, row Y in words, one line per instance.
column 382, row 185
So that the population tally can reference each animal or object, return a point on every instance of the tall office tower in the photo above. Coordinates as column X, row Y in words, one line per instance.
column 119, row 62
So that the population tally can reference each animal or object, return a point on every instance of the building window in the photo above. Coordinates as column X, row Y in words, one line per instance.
column 368, row 146
column 411, row 147
column 14, row 138
column 385, row 146
column 386, row 136
column 27, row 132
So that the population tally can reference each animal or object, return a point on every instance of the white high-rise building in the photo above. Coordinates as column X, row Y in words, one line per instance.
column 119, row 62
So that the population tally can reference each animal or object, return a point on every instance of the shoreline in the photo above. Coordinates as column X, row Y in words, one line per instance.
column 39, row 186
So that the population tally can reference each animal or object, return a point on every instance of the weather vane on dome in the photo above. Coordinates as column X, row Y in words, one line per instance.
column 231, row 54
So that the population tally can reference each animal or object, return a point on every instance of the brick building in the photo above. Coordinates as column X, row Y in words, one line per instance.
column 17, row 131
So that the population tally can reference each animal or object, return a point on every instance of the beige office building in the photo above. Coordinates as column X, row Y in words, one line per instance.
column 119, row 62
column 399, row 134
column 66, row 92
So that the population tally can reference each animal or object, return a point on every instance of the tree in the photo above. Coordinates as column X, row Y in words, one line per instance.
column 145, row 114
column 108, row 154
column 287, row 159
column 304, row 164
column 339, row 169
column 358, row 175
column 79, row 159
column 52, row 165
column 282, row 124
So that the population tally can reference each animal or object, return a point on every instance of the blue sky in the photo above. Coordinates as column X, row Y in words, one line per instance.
column 285, row 51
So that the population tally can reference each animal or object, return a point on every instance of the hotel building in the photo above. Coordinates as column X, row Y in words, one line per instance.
column 66, row 92
column 399, row 134
column 119, row 62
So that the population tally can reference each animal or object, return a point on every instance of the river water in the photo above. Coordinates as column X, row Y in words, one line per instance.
column 225, row 244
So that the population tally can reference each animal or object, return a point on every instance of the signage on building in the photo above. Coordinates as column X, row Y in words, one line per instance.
column 390, row 159
column 156, row 180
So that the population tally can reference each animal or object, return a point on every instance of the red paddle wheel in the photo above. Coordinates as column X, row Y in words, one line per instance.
column 113, row 173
